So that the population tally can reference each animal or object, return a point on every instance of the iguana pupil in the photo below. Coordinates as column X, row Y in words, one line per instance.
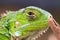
column 30, row 13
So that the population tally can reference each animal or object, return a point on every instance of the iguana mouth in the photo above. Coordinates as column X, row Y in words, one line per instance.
column 36, row 35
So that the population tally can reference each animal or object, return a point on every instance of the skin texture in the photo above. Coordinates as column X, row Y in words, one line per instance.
column 55, row 27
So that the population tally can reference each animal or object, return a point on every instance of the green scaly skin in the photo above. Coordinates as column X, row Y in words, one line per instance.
column 26, row 26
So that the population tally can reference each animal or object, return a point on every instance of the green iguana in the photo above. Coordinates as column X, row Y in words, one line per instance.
column 23, row 23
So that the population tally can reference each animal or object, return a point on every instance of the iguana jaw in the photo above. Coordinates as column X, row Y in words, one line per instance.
column 37, row 34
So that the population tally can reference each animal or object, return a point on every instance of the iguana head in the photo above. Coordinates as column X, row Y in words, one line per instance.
column 26, row 22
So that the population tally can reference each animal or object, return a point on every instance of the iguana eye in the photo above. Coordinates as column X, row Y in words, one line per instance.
column 31, row 15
